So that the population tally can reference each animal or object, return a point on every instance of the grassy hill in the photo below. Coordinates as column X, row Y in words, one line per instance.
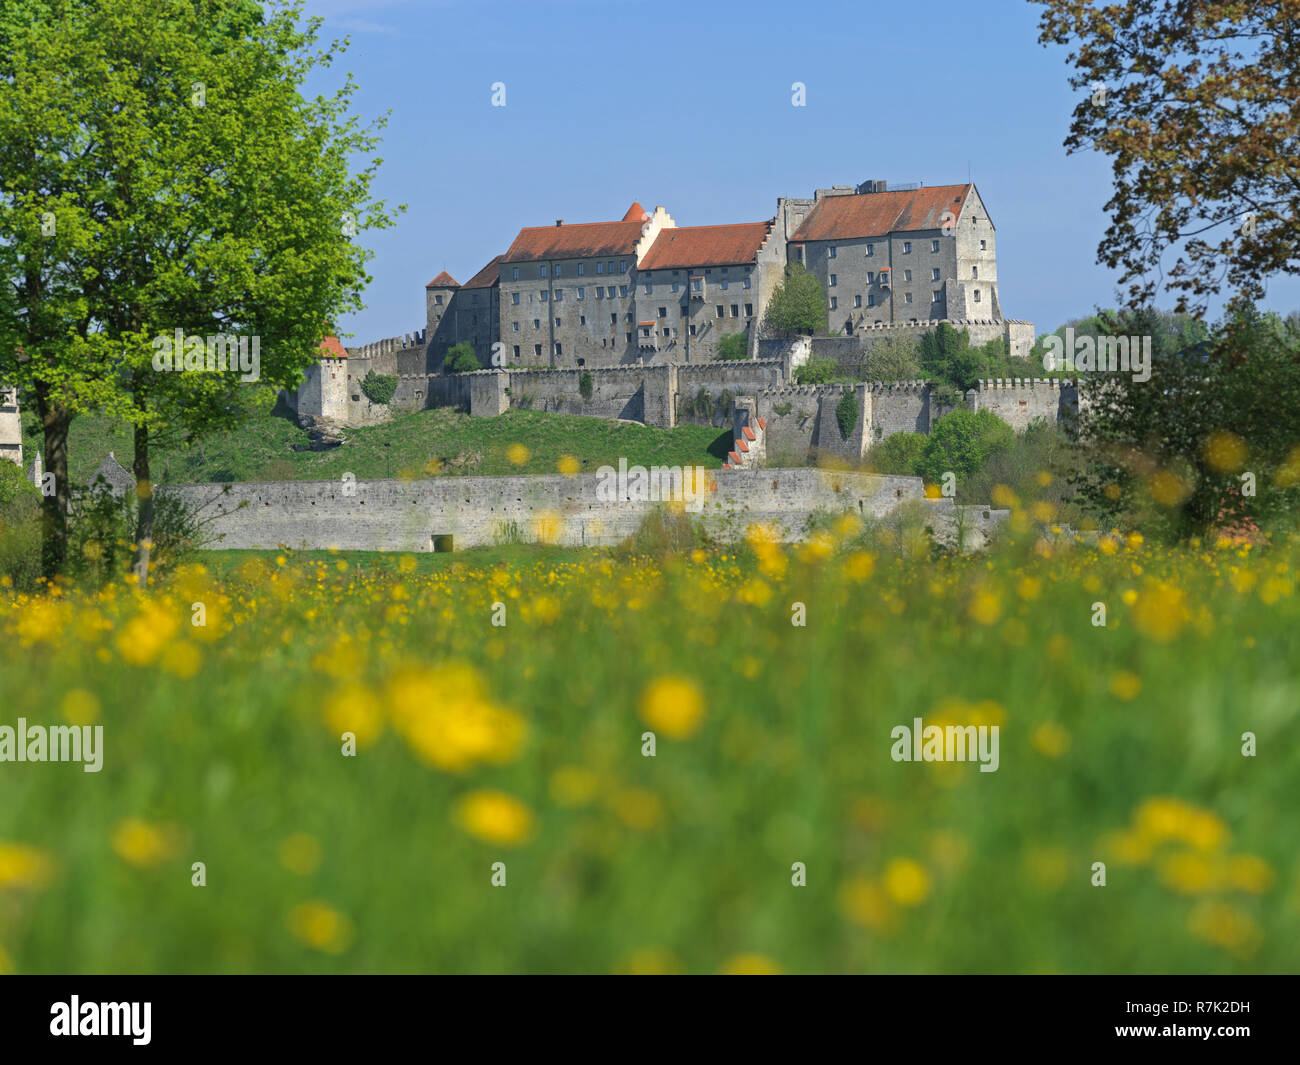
column 424, row 443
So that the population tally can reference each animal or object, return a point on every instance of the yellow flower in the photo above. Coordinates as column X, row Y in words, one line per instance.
column 1004, row 497
column 147, row 634
column 637, row 808
column 1163, row 818
column 907, row 882
column 986, row 606
column 1250, row 873
column 547, row 527
column 517, row 454
column 24, row 866
column 300, row 853
column 673, row 705
column 866, row 903
column 182, row 659
column 574, row 786
column 1028, row 588
column 354, row 708
column 143, row 844
column 1050, row 739
column 1190, row 873
column 495, row 817
column 80, row 707
column 1225, row 926
column 444, row 714
column 1161, row 611
column 1225, row 452
column 1168, row 489
column 568, row 465
column 320, row 926
column 860, row 565
column 1125, row 685
column 750, row 965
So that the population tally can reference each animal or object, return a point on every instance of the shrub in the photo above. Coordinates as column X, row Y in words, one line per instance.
column 585, row 384
column 734, row 346
column 961, row 442
column 666, row 532
column 379, row 388
column 799, row 303
column 461, row 358
column 20, row 527
column 899, row 454
column 846, row 414
column 782, row 409
column 816, row 371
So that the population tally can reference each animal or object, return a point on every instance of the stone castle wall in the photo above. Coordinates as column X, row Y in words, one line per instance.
column 394, row 515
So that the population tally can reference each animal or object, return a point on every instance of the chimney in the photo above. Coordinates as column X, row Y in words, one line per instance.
column 559, row 221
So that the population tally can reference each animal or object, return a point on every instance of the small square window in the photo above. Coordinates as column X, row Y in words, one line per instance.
column 514, row 298
column 749, row 310
column 934, row 274
column 907, row 275
column 537, row 349
column 719, row 309
column 559, row 269
column 984, row 245
column 557, row 348
column 692, row 330
column 649, row 289
column 582, row 293
column 516, row 277
column 557, row 321
column 676, row 285
column 834, row 280
column 663, row 312
column 581, row 269
column 544, row 295
column 559, row 294
column 835, row 303
column 830, row 252
column 622, row 290
column 907, row 297
column 735, row 310
column 907, row 247
column 977, row 295
column 543, row 271
column 974, row 271
column 582, row 319
column 934, row 246
column 600, row 268
column 622, row 266
column 516, row 325
column 871, row 299
column 935, row 296
column 857, row 301
column 871, row 250
column 516, row 351
column 437, row 300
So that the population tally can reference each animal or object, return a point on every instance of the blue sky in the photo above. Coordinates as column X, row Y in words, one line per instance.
column 689, row 105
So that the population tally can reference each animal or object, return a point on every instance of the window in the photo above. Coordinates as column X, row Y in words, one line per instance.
column 600, row 292
column 934, row 246
column 798, row 252
column 559, row 294
column 437, row 300
column 582, row 319
column 600, row 268
column 664, row 331
column 695, row 284
column 907, row 275
column 543, row 273
column 719, row 309
column 834, row 281
column 692, row 330
column 582, row 293
column 747, row 282
column 835, row 302
column 622, row 290
column 622, row 266
column 974, row 271
column 907, row 297
column 735, row 310
column 984, row 245
column 544, row 295
column 977, row 295
column 871, row 250
column 749, row 310
column 514, row 298
column 559, row 269
column 537, row 323
column 516, row 325
column 724, row 271
column 871, row 299
column 857, row 301
column 557, row 321
column 537, row 350
column 613, row 319
column 934, row 274
column 871, row 277
column 676, row 285
column 649, row 289
column 663, row 312
column 516, row 350
column 629, row 338
column 609, row 267
column 907, row 247
column 934, row 296
column 582, row 269
column 516, row 274
column 830, row 252
column 557, row 348
column 724, row 284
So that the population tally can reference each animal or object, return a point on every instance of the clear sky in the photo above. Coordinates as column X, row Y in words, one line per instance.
column 688, row 105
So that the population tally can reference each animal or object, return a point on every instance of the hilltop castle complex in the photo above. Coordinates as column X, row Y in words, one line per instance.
column 625, row 319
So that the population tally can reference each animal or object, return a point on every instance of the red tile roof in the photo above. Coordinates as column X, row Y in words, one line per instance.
column 330, row 348
column 875, row 214
column 443, row 280
column 689, row 246
column 581, row 241
column 488, row 276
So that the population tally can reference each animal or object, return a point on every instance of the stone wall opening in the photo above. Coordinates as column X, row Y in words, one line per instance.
column 442, row 542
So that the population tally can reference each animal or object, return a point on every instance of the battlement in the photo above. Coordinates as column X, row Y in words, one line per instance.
column 897, row 386
column 1024, row 382
column 389, row 346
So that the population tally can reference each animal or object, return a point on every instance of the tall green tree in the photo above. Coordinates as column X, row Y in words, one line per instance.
column 173, row 177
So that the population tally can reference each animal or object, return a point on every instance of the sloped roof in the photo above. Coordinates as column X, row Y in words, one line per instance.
column 488, row 276
column 875, row 214
column 443, row 280
column 118, row 479
column 330, row 348
column 580, row 241
column 689, row 246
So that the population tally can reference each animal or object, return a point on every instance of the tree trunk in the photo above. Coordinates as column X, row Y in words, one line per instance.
column 55, row 421
column 144, row 494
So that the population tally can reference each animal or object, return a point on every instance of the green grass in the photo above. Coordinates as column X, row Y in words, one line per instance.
column 262, row 448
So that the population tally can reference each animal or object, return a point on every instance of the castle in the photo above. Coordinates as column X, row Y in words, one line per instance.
column 625, row 319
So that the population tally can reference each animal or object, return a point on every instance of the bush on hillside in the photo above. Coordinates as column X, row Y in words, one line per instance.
column 461, row 358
